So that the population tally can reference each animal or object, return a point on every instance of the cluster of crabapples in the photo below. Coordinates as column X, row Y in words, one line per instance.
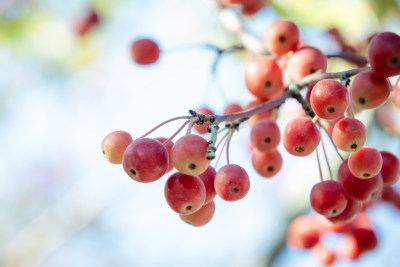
column 329, row 101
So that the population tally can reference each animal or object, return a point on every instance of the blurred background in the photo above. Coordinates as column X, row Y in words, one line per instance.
column 62, row 204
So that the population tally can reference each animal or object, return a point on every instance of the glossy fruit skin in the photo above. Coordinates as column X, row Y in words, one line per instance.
column 144, row 51
column 114, row 146
column 208, row 178
column 265, row 135
column 267, row 164
column 145, row 160
column 365, row 163
column 349, row 134
column 369, row 90
column 384, row 54
column 189, row 154
column 348, row 214
column 306, row 61
column 329, row 99
column 281, row 37
column 390, row 168
column 169, row 146
column 232, row 182
column 263, row 76
column 185, row 194
column 363, row 190
column 301, row 137
column 328, row 198
column 200, row 217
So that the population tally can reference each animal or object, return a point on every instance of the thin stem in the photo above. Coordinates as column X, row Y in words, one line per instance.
column 333, row 144
column 319, row 166
column 222, row 148
column 165, row 122
column 227, row 147
column 315, row 119
column 325, row 154
column 176, row 133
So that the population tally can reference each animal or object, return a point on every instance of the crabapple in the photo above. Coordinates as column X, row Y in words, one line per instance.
column 232, row 182
column 263, row 76
column 390, row 168
column 189, row 154
column 349, row 134
column 365, row 163
column 328, row 198
column 281, row 37
column 200, row 217
column 305, row 61
column 208, row 177
column 301, row 137
column 329, row 99
column 145, row 160
column 267, row 164
column 185, row 194
column 303, row 233
column 265, row 135
column 384, row 54
column 144, row 51
column 114, row 146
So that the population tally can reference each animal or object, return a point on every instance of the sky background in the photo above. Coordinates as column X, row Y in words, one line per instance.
column 62, row 204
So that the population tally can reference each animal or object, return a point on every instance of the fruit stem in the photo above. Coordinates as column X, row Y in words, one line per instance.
column 163, row 123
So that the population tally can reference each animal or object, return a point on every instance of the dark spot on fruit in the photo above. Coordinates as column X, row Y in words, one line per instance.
column 270, row 168
column 268, row 84
column 104, row 152
column 334, row 211
column 330, row 109
column 234, row 190
column 267, row 140
column 393, row 61
column 353, row 146
column 361, row 100
column 192, row 166
column 366, row 174
column 282, row 39
column 188, row 207
column 299, row 149
column 312, row 71
column 133, row 171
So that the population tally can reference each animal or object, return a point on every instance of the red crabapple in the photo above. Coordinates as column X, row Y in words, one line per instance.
column 265, row 135
column 267, row 164
column 232, row 182
column 144, row 51
column 303, row 233
column 169, row 146
column 114, row 146
column 396, row 93
column 301, row 137
column 200, row 217
column 208, row 177
column 145, row 160
column 359, row 189
column 349, row 134
column 349, row 213
column 329, row 99
column 185, row 194
column 384, row 54
column 87, row 23
column 365, row 163
column 189, row 154
column 328, row 198
column 281, row 37
column 325, row 256
column 390, row 168
column 306, row 61
column 263, row 76
column 369, row 90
